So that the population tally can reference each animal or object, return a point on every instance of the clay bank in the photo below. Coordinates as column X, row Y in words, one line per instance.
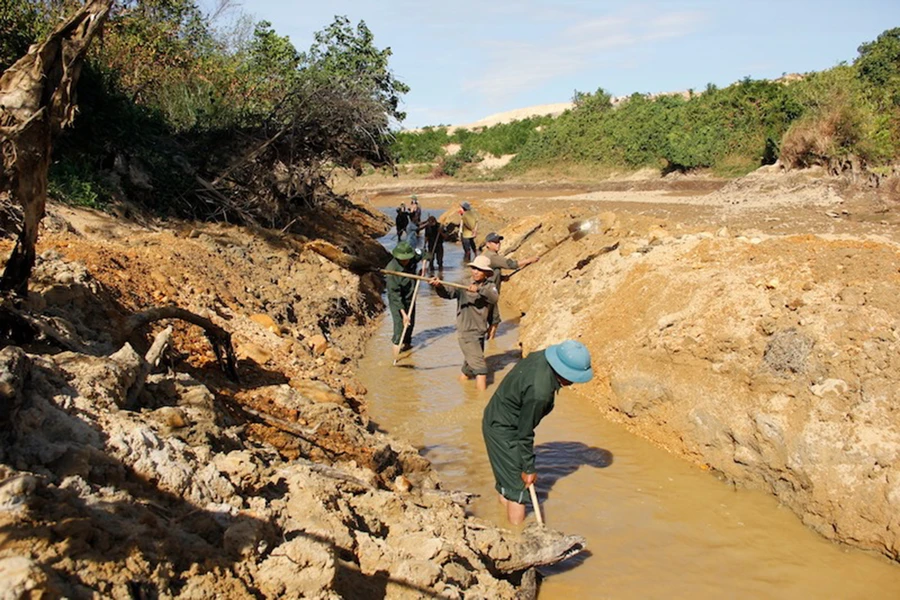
column 758, row 344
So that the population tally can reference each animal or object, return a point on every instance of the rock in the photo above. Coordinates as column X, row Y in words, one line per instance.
column 638, row 393
column 172, row 416
column 317, row 391
column 829, row 386
column 536, row 546
column 21, row 577
column 243, row 539
column 266, row 322
column 787, row 352
column 402, row 485
column 14, row 368
column 318, row 344
column 419, row 573
column 334, row 355
column 302, row 567
column 15, row 490
column 254, row 353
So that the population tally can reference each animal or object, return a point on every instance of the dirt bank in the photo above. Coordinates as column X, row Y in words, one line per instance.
column 185, row 483
column 750, row 326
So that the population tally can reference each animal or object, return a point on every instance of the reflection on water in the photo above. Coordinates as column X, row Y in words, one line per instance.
column 656, row 526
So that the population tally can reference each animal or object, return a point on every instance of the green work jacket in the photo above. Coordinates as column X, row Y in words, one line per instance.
column 524, row 397
column 400, row 289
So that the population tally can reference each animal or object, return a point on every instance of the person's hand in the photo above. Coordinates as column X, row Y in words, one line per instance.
column 473, row 287
column 529, row 478
column 434, row 282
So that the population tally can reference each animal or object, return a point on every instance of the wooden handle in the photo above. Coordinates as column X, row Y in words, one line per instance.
column 420, row 278
column 534, row 503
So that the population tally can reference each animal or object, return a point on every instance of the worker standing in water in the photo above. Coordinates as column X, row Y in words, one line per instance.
column 524, row 397
column 472, row 310
column 498, row 263
column 400, row 294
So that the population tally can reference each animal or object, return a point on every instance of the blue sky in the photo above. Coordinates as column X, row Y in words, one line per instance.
column 467, row 59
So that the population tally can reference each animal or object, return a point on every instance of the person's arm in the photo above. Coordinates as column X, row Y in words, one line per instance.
column 527, row 261
column 443, row 292
column 530, row 414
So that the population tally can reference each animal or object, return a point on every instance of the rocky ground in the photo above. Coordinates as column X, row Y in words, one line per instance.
column 750, row 326
column 123, row 479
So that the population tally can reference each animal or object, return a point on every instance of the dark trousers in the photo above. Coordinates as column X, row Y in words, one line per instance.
column 468, row 245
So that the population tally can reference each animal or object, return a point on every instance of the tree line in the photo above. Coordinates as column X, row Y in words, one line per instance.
column 849, row 114
column 197, row 119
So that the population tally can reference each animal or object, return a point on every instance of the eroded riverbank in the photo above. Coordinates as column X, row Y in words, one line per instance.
column 761, row 540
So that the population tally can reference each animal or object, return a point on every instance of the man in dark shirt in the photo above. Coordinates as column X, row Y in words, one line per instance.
column 523, row 398
column 434, row 242
column 402, row 220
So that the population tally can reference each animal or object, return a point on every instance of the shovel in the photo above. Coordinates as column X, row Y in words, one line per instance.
column 536, row 505
column 577, row 230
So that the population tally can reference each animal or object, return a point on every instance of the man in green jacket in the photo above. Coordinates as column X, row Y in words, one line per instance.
column 498, row 263
column 524, row 397
column 473, row 307
column 400, row 294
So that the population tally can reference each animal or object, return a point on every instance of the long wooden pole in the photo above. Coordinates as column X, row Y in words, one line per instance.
column 421, row 278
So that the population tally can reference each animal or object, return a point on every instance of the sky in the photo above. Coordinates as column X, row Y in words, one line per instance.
column 465, row 60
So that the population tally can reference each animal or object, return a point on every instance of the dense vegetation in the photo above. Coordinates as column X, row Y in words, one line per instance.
column 848, row 114
column 231, row 124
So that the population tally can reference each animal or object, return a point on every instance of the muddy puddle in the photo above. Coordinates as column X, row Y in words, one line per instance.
column 656, row 526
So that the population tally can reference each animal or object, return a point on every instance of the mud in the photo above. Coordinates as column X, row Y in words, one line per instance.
column 756, row 338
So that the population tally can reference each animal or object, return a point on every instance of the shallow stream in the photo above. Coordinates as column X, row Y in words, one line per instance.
column 657, row 527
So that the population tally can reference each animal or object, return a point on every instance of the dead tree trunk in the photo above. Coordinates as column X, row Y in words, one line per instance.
column 37, row 99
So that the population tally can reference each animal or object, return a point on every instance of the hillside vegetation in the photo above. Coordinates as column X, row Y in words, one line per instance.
column 844, row 117
column 229, row 123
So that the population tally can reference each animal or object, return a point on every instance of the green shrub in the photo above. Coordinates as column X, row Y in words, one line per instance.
column 75, row 183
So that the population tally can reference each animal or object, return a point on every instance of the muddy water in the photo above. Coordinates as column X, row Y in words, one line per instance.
column 656, row 526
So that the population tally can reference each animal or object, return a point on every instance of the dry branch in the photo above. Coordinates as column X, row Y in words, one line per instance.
column 218, row 337
column 151, row 360
column 23, row 321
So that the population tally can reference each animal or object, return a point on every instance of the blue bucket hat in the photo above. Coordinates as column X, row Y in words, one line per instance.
column 571, row 360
